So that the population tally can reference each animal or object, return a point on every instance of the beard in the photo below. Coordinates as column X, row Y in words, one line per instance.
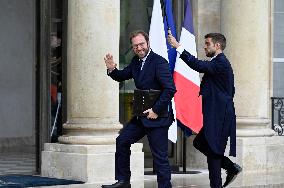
column 142, row 53
column 210, row 54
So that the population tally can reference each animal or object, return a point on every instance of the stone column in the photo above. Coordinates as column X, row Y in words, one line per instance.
column 247, row 27
column 86, row 150
column 92, row 97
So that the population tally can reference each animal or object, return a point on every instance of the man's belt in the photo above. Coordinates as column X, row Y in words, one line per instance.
column 144, row 100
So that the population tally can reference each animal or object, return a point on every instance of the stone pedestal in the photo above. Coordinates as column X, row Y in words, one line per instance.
column 262, row 155
column 88, row 163
column 87, row 149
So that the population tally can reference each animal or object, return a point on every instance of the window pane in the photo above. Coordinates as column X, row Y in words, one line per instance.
column 278, row 35
column 278, row 65
column 278, row 77
column 278, row 5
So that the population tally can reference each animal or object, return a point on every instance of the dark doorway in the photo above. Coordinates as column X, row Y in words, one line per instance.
column 51, row 74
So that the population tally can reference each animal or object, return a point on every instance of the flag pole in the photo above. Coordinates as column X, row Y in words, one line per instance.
column 165, row 14
column 184, row 153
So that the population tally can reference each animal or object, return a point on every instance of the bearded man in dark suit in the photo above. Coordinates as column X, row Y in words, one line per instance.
column 219, row 119
column 150, row 72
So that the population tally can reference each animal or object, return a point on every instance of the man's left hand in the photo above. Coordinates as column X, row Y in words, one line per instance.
column 151, row 114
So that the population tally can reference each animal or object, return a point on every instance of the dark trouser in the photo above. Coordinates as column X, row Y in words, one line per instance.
column 215, row 161
column 158, row 141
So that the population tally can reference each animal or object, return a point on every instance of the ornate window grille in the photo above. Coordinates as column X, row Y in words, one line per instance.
column 277, row 119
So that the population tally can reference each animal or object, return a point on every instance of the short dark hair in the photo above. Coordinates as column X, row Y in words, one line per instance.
column 217, row 38
column 138, row 32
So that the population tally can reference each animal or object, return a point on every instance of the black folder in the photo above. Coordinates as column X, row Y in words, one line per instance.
column 144, row 100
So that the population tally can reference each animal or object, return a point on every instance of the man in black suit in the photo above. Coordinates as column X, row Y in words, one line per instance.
column 219, row 119
column 149, row 71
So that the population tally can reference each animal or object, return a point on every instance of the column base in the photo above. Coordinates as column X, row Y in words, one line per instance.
column 88, row 163
column 88, row 140
column 84, row 131
column 254, row 127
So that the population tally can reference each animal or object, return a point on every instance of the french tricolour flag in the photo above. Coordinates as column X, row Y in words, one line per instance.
column 188, row 103
column 159, row 45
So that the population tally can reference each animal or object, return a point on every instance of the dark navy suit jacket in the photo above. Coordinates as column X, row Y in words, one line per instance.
column 154, row 75
column 217, row 90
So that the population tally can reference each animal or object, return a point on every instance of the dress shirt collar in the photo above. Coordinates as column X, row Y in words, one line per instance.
column 214, row 56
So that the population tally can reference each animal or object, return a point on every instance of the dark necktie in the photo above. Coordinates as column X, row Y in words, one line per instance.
column 142, row 64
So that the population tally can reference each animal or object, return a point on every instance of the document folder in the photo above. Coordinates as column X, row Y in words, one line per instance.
column 144, row 100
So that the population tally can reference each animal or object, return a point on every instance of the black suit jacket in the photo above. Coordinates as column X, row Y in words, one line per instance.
column 217, row 90
column 154, row 75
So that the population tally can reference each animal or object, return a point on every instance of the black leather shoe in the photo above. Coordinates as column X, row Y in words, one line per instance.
column 232, row 174
column 119, row 184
